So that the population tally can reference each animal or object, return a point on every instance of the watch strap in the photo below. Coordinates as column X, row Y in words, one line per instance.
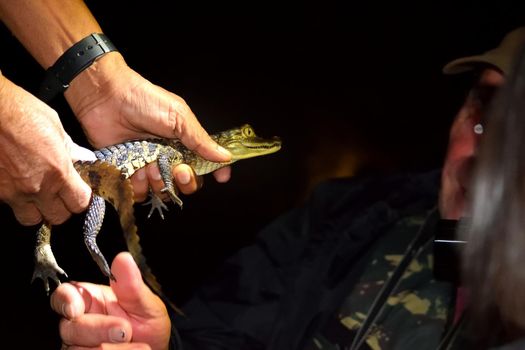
column 73, row 61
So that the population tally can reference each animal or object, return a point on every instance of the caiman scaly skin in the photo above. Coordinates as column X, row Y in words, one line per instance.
column 109, row 179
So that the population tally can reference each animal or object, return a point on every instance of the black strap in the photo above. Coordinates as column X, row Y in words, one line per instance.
column 77, row 58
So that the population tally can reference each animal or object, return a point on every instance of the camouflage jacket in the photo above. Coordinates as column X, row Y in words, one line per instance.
column 413, row 315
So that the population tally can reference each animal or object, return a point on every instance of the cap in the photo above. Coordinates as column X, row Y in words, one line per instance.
column 500, row 57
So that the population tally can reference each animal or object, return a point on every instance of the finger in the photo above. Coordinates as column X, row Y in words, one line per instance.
column 197, row 139
column 222, row 175
column 186, row 180
column 133, row 295
column 77, row 298
column 53, row 208
column 80, row 153
column 26, row 213
column 188, row 129
column 155, row 180
column 139, row 180
column 93, row 329
column 67, row 301
column 76, row 194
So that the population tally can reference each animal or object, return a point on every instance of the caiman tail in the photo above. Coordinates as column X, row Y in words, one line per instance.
column 108, row 182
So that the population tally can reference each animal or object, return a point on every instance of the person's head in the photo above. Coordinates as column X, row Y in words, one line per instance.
column 489, row 69
column 484, row 185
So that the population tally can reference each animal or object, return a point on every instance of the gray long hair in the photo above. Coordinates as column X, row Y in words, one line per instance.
column 493, row 262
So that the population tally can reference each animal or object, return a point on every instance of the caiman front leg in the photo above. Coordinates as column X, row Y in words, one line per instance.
column 92, row 224
column 46, row 266
column 165, row 172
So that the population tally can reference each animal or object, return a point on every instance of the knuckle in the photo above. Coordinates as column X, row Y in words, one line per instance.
column 75, row 205
column 180, row 114
column 29, row 221
column 58, row 218
column 28, row 218
column 30, row 187
column 54, row 209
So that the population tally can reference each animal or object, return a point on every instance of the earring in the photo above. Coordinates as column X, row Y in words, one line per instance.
column 478, row 129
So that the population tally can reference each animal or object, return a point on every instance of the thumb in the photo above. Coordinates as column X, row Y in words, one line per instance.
column 197, row 139
column 132, row 293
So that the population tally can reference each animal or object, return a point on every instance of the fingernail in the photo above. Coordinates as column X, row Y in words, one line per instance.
column 68, row 311
column 183, row 177
column 117, row 335
column 223, row 151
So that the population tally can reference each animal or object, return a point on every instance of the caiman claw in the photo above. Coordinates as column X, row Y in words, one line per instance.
column 46, row 266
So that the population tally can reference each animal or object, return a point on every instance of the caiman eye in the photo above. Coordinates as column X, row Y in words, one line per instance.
column 248, row 132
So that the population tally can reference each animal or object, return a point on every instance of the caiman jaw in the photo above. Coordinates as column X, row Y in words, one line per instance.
column 242, row 149
column 244, row 143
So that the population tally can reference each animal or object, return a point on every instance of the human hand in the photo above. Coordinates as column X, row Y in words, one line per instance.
column 37, row 177
column 104, row 317
column 113, row 103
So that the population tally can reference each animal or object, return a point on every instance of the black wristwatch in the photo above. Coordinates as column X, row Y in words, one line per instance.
column 73, row 61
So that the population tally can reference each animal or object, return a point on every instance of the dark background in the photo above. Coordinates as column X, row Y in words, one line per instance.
column 353, row 88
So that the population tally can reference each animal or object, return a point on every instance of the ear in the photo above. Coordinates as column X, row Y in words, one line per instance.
column 462, row 147
column 463, row 142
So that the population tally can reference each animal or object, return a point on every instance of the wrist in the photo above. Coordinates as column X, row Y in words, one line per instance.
column 72, row 62
column 94, row 82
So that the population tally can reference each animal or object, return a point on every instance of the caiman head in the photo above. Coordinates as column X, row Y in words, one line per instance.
column 244, row 143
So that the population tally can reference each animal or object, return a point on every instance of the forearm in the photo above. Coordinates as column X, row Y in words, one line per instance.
column 47, row 28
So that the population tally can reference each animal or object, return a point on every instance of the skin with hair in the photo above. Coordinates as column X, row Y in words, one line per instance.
column 28, row 167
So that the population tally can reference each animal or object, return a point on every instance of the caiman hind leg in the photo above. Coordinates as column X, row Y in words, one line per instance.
column 92, row 224
column 46, row 266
